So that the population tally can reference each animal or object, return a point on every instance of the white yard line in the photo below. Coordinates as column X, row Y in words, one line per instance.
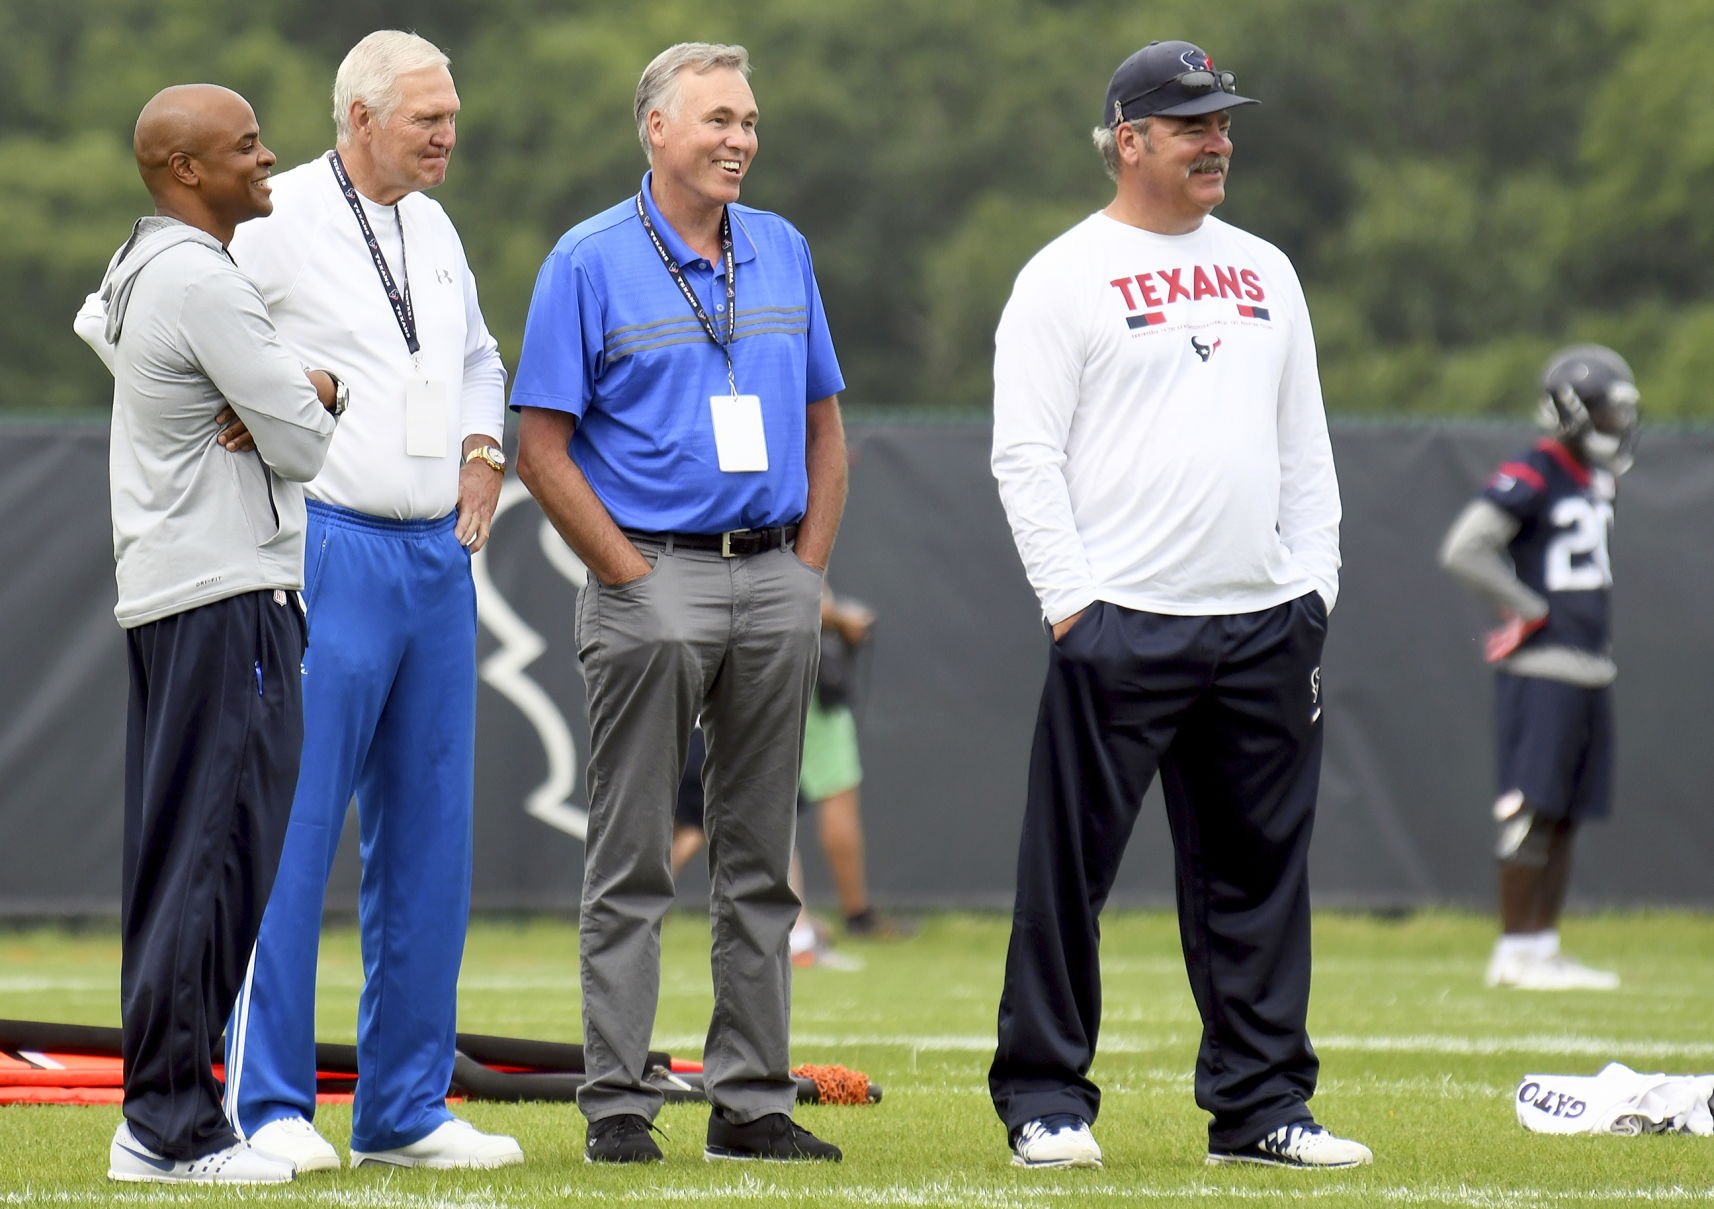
column 1548, row 1043
column 36, row 984
column 1012, row 1193
column 379, row 1196
column 1018, row 1195
column 1568, row 1044
column 1112, row 1042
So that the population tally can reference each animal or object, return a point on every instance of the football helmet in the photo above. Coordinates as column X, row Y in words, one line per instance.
column 1589, row 401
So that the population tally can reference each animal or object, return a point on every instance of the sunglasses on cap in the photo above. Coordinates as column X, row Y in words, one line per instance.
column 1196, row 83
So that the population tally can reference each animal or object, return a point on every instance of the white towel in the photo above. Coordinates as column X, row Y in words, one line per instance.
column 1618, row 1100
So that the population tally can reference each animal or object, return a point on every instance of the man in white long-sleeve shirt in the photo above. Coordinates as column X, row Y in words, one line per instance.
column 366, row 275
column 1162, row 455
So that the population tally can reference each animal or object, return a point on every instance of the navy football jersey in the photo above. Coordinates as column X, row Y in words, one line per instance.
column 1566, row 510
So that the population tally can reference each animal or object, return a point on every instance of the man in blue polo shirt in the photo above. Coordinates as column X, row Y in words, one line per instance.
column 680, row 427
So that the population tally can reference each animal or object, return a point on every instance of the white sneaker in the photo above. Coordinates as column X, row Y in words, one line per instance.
column 1502, row 968
column 296, row 1140
column 455, row 1143
column 1301, row 1144
column 1060, row 1140
column 1555, row 973
column 131, row 1162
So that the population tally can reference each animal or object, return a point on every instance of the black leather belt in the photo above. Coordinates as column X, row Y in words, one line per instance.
column 734, row 543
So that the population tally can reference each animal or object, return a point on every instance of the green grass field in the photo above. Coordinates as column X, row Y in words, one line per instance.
column 1418, row 1060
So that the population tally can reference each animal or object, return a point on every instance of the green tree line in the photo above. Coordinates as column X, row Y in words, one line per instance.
column 1463, row 184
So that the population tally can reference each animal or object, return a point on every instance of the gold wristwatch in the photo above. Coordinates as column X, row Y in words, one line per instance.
column 492, row 454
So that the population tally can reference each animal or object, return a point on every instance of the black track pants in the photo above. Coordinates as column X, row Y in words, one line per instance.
column 1227, row 709
column 214, row 731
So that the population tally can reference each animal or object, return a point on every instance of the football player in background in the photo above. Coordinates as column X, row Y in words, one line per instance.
column 1534, row 544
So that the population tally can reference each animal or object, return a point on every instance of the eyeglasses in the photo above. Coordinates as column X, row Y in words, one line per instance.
column 1196, row 83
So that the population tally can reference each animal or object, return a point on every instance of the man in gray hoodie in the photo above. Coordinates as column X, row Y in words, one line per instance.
column 208, row 535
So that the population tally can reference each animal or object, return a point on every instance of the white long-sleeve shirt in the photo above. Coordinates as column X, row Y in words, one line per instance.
column 310, row 263
column 1159, row 436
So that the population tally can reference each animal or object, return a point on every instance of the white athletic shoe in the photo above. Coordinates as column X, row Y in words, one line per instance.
column 1300, row 1144
column 1059, row 1140
column 295, row 1139
column 131, row 1162
column 454, row 1144
column 1527, row 972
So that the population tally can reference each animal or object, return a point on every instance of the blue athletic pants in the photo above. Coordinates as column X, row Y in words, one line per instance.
column 389, row 714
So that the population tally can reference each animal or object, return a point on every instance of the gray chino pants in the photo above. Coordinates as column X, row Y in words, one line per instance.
column 736, row 640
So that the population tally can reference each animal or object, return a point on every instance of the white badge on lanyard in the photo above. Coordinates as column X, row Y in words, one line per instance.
column 426, row 411
column 740, row 441
column 425, row 416
column 738, row 434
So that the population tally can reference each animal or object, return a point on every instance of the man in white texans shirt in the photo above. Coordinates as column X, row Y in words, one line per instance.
column 366, row 276
column 1162, row 455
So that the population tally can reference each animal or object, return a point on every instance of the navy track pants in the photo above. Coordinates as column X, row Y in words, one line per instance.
column 212, row 740
column 1227, row 709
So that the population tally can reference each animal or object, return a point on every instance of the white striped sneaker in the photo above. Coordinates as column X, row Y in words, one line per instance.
column 1059, row 1140
column 131, row 1162
column 1300, row 1144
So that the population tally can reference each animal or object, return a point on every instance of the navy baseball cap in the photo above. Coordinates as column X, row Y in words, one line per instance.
column 1174, row 79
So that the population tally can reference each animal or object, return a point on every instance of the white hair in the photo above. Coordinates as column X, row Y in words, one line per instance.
column 659, row 85
column 370, row 73
column 1107, row 143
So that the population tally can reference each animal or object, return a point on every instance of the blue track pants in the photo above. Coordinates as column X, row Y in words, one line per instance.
column 389, row 714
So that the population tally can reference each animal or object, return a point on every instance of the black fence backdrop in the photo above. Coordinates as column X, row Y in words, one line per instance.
column 948, row 688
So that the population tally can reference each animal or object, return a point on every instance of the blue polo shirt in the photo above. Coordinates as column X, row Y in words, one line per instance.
column 611, row 340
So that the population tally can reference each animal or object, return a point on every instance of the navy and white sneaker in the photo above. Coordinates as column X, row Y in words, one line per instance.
column 1061, row 1139
column 131, row 1162
column 1300, row 1144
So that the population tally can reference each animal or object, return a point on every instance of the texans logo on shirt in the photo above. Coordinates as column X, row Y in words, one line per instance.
column 1148, row 297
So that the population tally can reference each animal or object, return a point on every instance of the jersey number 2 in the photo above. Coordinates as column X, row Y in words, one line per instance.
column 1577, row 556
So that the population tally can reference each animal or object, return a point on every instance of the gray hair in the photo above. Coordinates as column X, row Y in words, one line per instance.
column 371, row 71
column 1107, row 143
column 658, row 88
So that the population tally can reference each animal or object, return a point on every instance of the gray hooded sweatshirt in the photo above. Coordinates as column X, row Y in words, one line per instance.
column 192, row 522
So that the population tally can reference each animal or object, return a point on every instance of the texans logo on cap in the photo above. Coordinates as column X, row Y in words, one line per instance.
column 1154, row 81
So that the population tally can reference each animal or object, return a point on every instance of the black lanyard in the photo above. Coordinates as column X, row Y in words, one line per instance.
column 400, row 300
column 696, row 308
